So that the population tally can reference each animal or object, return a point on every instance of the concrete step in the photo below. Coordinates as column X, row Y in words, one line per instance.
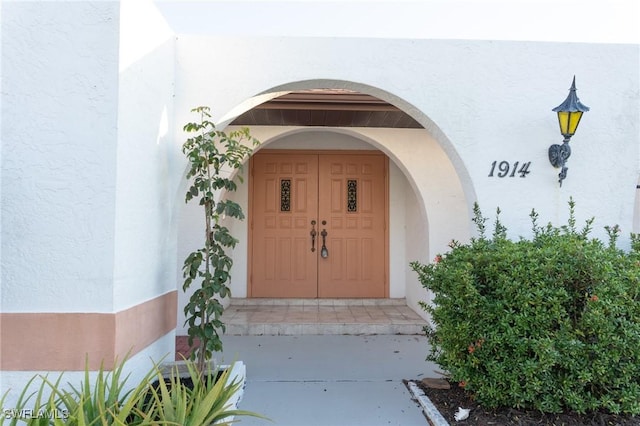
column 317, row 302
column 291, row 317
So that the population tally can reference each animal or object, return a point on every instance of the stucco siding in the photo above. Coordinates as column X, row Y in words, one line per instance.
column 481, row 101
column 150, row 165
column 59, row 113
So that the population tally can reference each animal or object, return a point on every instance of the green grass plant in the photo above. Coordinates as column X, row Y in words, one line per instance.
column 205, row 400
column 107, row 399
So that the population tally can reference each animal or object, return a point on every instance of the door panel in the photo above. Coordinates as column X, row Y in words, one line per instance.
column 348, row 193
column 352, row 200
column 284, row 203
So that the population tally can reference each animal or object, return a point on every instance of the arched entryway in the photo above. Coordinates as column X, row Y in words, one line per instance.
column 428, row 201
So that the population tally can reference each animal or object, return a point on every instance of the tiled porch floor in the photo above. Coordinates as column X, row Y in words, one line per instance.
column 293, row 317
column 321, row 316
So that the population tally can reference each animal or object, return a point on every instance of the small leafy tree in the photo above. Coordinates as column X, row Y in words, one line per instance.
column 213, row 155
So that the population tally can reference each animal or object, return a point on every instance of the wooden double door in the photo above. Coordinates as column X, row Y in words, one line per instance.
column 318, row 225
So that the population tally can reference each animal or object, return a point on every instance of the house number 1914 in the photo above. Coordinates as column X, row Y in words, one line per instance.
column 504, row 169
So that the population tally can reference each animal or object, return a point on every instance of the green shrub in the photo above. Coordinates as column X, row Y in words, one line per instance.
column 551, row 323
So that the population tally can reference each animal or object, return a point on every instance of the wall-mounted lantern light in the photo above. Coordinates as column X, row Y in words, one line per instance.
column 569, row 115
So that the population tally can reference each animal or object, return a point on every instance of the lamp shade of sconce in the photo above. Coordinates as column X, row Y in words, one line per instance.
column 569, row 114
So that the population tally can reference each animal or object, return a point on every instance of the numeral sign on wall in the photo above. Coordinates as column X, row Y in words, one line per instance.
column 504, row 168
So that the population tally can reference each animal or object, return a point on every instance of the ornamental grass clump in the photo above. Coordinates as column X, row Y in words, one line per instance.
column 200, row 398
column 551, row 323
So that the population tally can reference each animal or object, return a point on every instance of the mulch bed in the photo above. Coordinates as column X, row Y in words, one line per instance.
column 447, row 402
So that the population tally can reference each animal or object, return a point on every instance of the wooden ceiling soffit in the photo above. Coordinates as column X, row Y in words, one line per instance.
column 327, row 109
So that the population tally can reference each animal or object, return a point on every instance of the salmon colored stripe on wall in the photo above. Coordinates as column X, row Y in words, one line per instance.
column 62, row 341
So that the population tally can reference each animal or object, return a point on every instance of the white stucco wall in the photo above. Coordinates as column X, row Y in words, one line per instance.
column 1, row 111
column 481, row 101
column 89, row 168
column 149, row 161
column 88, row 140
column 59, row 134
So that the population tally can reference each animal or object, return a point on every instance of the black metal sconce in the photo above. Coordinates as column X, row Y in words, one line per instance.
column 569, row 115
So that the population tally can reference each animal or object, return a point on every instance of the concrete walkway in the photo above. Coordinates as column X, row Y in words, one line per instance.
column 331, row 380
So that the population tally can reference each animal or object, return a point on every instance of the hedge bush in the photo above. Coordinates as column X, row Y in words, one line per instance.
column 550, row 323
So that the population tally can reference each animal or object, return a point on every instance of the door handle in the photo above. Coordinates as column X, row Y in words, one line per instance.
column 324, row 253
column 313, row 234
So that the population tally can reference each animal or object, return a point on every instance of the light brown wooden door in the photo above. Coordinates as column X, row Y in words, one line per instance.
column 352, row 202
column 284, row 202
column 294, row 194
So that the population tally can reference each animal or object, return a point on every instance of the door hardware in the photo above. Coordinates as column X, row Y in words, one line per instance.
column 324, row 253
column 313, row 234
